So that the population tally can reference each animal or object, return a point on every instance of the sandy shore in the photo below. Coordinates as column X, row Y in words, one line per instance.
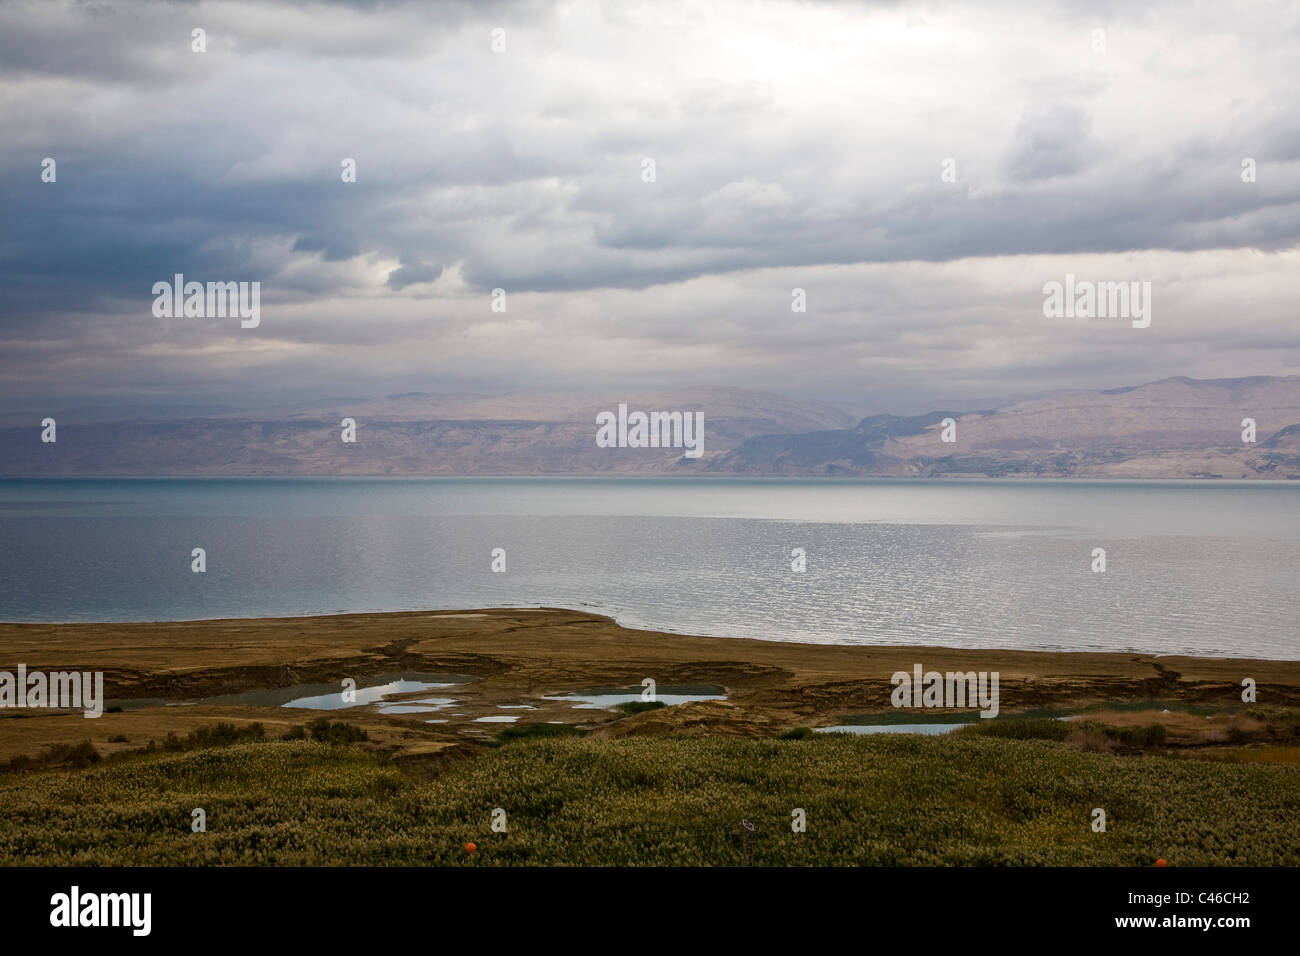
column 518, row 656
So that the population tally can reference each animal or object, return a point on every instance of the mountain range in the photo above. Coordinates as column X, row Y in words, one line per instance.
column 1173, row 428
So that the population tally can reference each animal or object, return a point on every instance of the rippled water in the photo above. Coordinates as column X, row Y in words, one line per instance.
column 1192, row 567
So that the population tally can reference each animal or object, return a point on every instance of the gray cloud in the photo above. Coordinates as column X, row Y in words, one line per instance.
column 1054, row 141
column 789, row 137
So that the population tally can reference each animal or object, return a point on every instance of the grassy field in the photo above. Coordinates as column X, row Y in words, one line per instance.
column 884, row 800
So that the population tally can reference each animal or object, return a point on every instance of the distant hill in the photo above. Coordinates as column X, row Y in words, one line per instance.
column 413, row 434
column 1174, row 428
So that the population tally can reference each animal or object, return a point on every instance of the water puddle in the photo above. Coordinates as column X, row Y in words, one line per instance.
column 601, row 698
column 324, row 696
column 373, row 694
column 422, row 705
column 932, row 729
column 496, row 719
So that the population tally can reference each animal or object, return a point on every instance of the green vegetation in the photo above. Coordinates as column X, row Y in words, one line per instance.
column 220, row 734
column 1030, row 728
column 967, row 798
column 84, row 754
column 57, row 755
column 639, row 706
column 517, row 732
column 1089, row 734
column 1281, row 755
column 326, row 731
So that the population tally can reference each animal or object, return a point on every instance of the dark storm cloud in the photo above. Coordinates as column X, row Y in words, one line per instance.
column 789, row 136
column 412, row 273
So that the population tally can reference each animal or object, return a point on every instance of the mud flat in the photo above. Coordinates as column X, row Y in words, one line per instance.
column 514, row 662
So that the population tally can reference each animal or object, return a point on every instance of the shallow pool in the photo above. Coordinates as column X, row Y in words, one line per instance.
column 602, row 699
column 933, row 729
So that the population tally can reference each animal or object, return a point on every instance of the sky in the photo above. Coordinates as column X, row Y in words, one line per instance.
column 919, row 170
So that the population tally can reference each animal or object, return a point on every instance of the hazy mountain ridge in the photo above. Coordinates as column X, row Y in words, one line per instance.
column 413, row 434
column 1173, row 428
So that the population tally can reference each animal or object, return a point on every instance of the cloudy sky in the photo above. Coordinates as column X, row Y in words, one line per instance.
column 794, row 145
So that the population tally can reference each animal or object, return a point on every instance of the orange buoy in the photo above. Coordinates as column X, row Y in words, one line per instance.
column 1161, row 862
column 470, row 848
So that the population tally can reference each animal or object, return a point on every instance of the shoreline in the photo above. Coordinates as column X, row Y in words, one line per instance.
column 11, row 632
column 7, row 626
column 520, row 656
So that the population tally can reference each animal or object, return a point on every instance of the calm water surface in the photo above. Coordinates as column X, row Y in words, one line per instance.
column 1192, row 567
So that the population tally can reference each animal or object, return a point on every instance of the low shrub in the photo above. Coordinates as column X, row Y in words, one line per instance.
column 519, row 732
